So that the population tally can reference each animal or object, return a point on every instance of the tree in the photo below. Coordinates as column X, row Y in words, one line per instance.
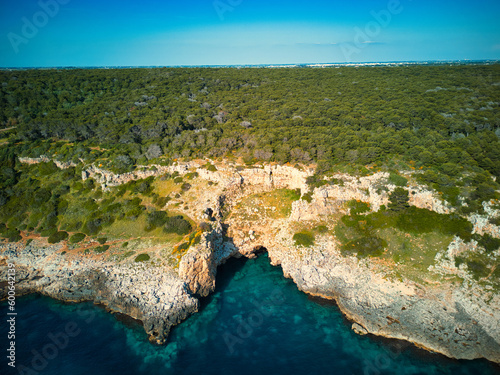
column 154, row 151
column 399, row 200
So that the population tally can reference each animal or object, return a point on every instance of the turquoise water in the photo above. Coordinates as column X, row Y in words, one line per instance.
column 256, row 322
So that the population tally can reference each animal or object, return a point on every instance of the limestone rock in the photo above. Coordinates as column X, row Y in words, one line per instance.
column 198, row 269
column 359, row 329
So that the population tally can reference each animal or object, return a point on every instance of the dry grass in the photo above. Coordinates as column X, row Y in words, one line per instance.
column 276, row 204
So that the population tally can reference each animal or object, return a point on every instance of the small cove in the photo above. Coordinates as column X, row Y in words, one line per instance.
column 256, row 322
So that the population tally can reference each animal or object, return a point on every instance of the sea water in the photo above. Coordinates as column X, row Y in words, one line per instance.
column 256, row 322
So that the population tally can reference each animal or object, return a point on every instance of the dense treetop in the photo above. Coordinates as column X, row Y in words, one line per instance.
column 443, row 119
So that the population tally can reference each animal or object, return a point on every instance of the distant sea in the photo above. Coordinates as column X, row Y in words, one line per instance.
column 257, row 322
column 309, row 65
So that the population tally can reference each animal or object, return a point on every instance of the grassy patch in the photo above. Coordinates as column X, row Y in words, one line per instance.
column 303, row 238
column 276, row 204
column 411, row 237
column 397, row 180
column 144, row 257
column 166, row 187
column 136, row 228
column 365, row 246
column 128, row 254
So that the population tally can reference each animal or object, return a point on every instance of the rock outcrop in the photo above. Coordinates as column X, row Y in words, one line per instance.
column 458, row 320
column 157, row 297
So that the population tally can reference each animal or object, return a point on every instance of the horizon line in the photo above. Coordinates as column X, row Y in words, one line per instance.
column 264, row 65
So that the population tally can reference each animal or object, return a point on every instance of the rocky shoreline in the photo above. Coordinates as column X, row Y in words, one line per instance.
column 156, row 297
column 459, row 321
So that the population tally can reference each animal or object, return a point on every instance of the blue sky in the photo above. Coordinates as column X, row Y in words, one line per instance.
column 217, row 32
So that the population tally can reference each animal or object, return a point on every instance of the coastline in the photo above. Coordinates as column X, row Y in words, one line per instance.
column 163, row 297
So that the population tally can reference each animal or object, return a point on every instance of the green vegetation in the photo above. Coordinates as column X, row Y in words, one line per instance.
column 12, row 235
column 441, row 123
column 489, row 243
column 101, row 249
column 77, row 237
column 320, row 229
column 303, row 238
column 371, row 234
column 211, row 167
column 144, row 257
column 178, row 225
column 58, row 237
column 308, row 197
column 398, row 200
column 365, row 246
column 397, row 180
column 357, row 207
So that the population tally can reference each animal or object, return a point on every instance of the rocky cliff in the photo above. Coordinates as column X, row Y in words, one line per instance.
column 157, row 297
column 457, row 319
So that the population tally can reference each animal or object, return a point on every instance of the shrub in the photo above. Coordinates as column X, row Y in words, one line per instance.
column 478, row 269
column 192, row 175
column 58, row 237
column 495, row 220
column 156, row 219
column 211, row 167
column 307, row 197
column 321, row 229
column 183, row 246
column 397, row 180
column 178, row 180
column 316, row 181
column 417, row 220
column 77, row 237
column 102, row 240
column 92, row 226
column 488, row 242
column 455, row 225
column 13, row 235
column 178, row 225
column 47, row 168
column 357, row 207
column 101, row 249
column 185, row 186
column 48, row 232
column 304, row 238
column 142, row 257
column 142, row 187
column 398, row 199
column 161, row 202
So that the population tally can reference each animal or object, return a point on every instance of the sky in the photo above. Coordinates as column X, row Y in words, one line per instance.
column 48, row 33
